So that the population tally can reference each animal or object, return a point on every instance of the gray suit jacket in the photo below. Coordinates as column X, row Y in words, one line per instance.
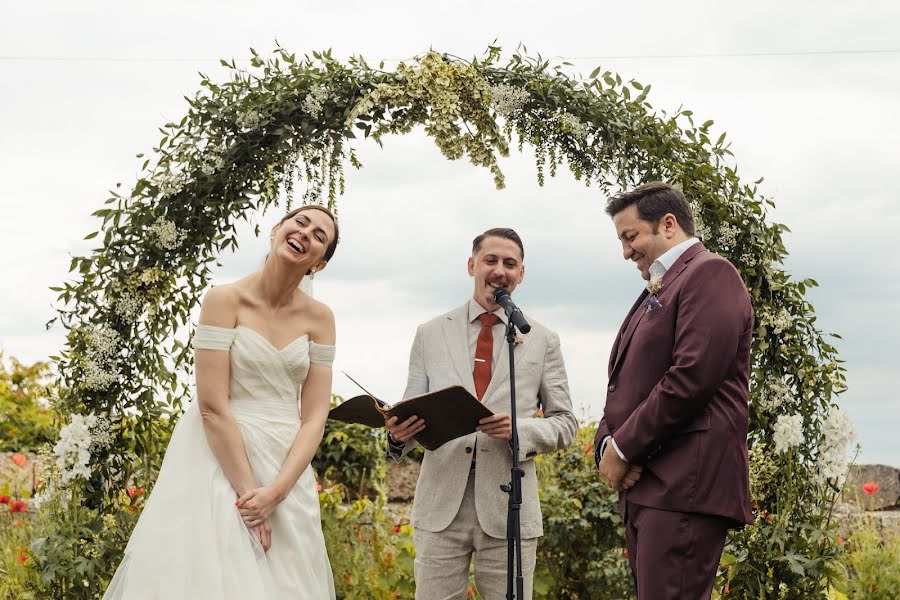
column 440, row 358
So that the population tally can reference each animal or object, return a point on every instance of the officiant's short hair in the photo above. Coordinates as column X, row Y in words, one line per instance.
column 500, row 232
column 654, row 200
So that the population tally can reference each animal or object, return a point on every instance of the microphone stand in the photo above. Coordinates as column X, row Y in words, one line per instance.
column 514, row 488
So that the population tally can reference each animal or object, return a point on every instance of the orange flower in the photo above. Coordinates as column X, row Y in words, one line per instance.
column 840, row 540
column 470, row 593
column 588, row 448
column 318, row 487
column 22, row 558
column 727, row 589
column 870, row 487
column 18, row 506
column 19, row 459
column 540, row 412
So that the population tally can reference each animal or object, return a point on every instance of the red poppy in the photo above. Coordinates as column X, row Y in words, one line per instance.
column 5, row 500
column 470, row 593
column 22, row 558
column 625, row 552
column 134, row 491
column 840, row 540
column 870, row 487
column 18, row 506
column 19, row 459
column 727, row 589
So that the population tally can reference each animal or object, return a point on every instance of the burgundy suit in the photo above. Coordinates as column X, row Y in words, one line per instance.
column 677, row 405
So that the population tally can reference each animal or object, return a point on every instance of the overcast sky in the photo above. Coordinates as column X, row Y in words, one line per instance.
column 807, row 91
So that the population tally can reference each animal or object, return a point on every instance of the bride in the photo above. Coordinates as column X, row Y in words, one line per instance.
column 235, row 512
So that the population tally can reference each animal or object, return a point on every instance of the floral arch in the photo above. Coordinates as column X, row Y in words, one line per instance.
column 286, row 126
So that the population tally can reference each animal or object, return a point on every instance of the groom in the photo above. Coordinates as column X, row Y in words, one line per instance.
column 673, row 438
column 459, row 510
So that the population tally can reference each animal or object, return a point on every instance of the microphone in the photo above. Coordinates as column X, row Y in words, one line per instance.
column 502, row 297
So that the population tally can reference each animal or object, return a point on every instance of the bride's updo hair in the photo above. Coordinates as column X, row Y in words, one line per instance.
column 329, row 251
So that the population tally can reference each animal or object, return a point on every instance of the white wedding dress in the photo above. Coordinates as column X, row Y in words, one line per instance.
column 190, row 542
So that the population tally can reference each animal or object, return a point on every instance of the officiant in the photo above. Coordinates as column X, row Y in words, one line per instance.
column 459, row 511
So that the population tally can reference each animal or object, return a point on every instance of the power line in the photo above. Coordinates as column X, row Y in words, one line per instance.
column 163, row 59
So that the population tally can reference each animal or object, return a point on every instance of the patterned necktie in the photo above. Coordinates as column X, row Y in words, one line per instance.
column 484, row 353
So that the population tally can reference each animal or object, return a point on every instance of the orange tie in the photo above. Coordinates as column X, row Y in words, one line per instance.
column 484, row 353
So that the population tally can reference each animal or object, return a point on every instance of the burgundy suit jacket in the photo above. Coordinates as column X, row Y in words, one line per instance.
column 678, row 389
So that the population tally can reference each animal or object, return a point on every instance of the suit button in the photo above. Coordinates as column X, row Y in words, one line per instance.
column 611, row 387
column 468, row 449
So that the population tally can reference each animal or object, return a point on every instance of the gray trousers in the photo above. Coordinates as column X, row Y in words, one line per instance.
column 443, row 558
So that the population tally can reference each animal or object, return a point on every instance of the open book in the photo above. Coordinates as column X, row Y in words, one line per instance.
column 449, row 413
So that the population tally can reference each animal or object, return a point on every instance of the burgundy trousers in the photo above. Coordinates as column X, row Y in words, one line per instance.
column 673, row 555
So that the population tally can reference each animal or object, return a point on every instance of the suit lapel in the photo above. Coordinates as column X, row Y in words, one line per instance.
column 457, row 340
column 614, row 355
column 634, row 320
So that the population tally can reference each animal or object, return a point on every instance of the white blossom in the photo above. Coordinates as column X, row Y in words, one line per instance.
column 727, row 236
column 748, row 259
column 248, row 120
column 838, row 430
column 774, row 393
column 169, row 184
column 574, row 126
column 168, row 235
column 129, row 305
column 83, row 436
column 781, row 321
column 312, row 104
column 98, row 375
column 701, row 231
column 103, row 343
column 788, row 432
column 508, row 99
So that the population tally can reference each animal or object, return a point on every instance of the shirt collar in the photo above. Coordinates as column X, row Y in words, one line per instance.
column 476, row 310
column 668, row 258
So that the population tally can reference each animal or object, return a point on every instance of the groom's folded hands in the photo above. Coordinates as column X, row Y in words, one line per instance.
column 620, row 474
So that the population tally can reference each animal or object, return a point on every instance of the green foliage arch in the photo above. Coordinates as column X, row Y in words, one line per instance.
column 286, row 126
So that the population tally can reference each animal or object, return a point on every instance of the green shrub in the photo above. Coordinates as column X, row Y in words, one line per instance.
column 371, row 551
column 26, row 421
column 871, row 563
column 354, row 456
column 582, row 553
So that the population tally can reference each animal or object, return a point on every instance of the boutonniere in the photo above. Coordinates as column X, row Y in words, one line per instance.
column 519, row 339
column 654, row 287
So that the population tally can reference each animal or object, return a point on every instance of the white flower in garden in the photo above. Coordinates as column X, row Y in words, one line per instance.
column 832, row 461
column 77, row 441
column 574, row 126
column 508, row 99
column 701, row 231
column 788, row 432
column 312, row 104
column 168, row 235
